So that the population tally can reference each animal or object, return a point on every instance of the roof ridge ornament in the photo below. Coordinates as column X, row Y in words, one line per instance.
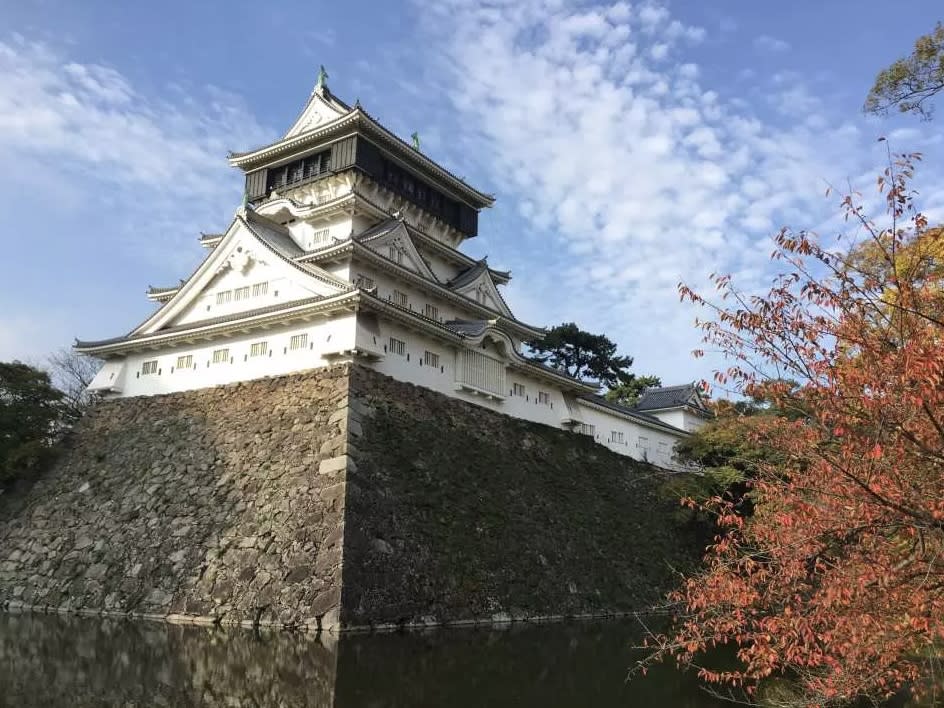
column 322, row 83
column 416, row 140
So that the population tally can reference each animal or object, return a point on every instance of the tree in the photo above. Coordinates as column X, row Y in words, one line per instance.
column 582, row 355
column 627, row 394
column 911, row 81
column 30, row 413
column 837, row 579
column 72, row 373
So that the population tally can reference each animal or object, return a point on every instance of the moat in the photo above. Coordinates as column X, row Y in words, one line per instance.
column 48, row 660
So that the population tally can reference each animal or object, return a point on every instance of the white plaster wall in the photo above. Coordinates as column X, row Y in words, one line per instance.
column 303, row 231
column 639, row 441
column 676, row 418
column 281, row 289
column 409, row 367
column 682, row 419
column 324, row 337
column 417, row 298
column 444, row 270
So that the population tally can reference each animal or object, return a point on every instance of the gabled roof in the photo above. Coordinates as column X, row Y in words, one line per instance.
column 393, row 233
column 271, row 237
column 322, row 106
column 683, row 396
column 258, row 317
column 500, row 277
column 480, row 273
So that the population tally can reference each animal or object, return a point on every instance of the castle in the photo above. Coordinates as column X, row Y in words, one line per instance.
column 347, row 247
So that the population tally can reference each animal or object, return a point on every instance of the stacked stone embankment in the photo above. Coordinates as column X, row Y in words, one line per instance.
column 225, row 504
column 336, row 499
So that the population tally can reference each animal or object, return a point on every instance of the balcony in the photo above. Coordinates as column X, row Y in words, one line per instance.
column 480, row 374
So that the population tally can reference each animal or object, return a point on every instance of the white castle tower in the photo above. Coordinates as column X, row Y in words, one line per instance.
column 347, row 247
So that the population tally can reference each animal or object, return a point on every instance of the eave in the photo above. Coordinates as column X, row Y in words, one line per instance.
column 686, row 407
column 353, row 248
column 639, row 418
column 161, row 294
column 260, row 318
column 358, row 120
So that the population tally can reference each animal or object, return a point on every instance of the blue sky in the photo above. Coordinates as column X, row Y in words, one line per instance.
column 630, row 145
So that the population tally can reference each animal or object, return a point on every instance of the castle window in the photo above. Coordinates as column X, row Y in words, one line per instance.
column 396, row 255
column 587, row 429
column 431, row 311
column 149, row 367
column 431, row 359
column 364, row 283
column 397, row 346
column 544, row 397
column 480, row 296
column 399, row 298
column 298, row 341
column 241, row 293
column 260, row 289
column 258, row 348
column 224, row 296
column 616, row 436
column 643, row 444
column 220, row 356
column 321, row 237
column 518, row 390
column 185, row 362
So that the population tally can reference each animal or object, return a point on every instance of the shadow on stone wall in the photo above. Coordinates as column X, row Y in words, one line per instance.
column 211, row 503
column 456, row 512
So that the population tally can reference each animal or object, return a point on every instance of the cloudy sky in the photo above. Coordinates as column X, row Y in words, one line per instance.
column 630, row 145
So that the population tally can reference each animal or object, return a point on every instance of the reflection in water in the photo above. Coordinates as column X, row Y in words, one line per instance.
column 61, row 661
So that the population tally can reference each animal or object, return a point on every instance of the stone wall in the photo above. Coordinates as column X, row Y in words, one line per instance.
column 223, row 503
column 456, row 513
column 338, row 498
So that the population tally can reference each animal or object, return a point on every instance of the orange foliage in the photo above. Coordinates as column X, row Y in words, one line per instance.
column 837, row 580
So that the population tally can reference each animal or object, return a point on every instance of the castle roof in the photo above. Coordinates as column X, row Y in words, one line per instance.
column 325, row 117
column 631, row 413
column 667, row 397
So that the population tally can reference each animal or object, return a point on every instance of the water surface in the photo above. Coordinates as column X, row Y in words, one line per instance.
column 49, row 660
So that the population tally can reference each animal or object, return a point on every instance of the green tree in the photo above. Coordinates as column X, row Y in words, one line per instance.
column 30, row 417
column 911, row 81
column 582, row 355
column 627, row 394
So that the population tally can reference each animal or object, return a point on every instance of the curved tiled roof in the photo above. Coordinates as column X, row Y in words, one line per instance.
column 669, row 397
column 630, row 413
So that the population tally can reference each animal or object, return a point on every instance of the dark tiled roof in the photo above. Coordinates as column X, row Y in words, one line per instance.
column 667, row 397
column 157, row 291
column 630, row 412
column 468, row 275
column 377, row 230
column 274, row 235
column 467, row 328
column 474, row 271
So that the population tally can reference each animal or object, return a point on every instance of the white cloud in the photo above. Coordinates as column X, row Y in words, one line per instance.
column 767, row 43
column 637, row 176
column 134, row 177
